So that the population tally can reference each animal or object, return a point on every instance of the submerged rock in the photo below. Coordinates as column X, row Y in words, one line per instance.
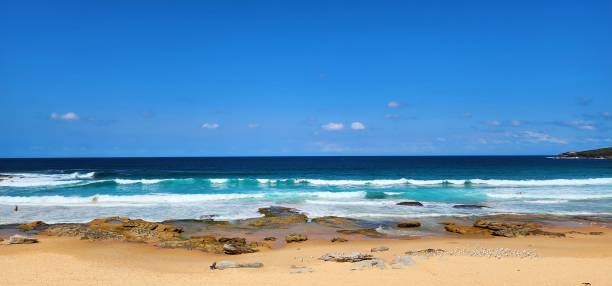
column 351, row 257
column 370, row 232
column 469, row 206
column 411, row 204
column 334, row 221
column 220, row 265
column 409, row 224
column 379, row 249
column 32, row 225
column 295, row 237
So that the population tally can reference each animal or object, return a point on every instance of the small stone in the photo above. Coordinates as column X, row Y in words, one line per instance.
column 300, row 269
column 379, row 249
column 231, row 264
column 270, row 238
column 367, row 264
column 339, row 239
column 596, row 233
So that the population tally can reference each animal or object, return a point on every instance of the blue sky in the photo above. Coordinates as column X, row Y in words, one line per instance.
column 230, row 78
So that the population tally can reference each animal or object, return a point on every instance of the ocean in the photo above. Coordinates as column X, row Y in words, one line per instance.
column 80, row 189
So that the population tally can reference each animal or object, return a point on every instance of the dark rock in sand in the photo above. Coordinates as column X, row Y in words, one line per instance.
column 369, row 232
column 270, row 238
column 411, row 204
column 220, row 265
column 379, row 249
column 274, row 216
column 335, row 221
column 339, row 239
column 210, row 244
column 408, row 224
column 469, row 206
column 596, row 233
column 295, row 237
column 351, row 257
column 236, row 245
column 35, row 225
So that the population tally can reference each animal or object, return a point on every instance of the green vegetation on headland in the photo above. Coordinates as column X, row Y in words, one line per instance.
column 603, row 153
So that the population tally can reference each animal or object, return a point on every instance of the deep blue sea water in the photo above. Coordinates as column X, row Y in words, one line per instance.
column 77, row 190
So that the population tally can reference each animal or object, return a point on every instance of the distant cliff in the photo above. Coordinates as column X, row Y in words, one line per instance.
column 603, row 153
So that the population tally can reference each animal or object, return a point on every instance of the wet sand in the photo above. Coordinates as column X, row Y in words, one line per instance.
column 570, row 260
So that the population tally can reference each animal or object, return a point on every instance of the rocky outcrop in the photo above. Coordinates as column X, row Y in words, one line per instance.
column 220, row 265
column 335, row 221
column 223, row 245
column 603, row 153
column 117, row 228
column 464, row 229
column 513, row 229
column 20, row 239
column 426, row 252
column 410, row 204
column 351, row 257
column 369, row 232
column 35, row 225
column 275, row 216
column 409, row 224
column 295, row 237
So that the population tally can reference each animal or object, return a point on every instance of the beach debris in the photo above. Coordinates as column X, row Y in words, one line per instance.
column 275, row 215
column 32, row 225
column 351, row 257
column 339, row 239
column 369, row 232
column 410, row 204
column 379, row 249
column 270, row 238
column 224, row 264
column 300, row 269
column 367, row 264
column 295, row 237
column 409, row 224
column 470, row 206
column 20, row 239
column 426, row 252
column 402, row 261
column 335, row 221
column 585, row 284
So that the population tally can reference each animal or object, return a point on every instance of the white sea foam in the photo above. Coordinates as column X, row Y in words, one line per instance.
column 103, row 200
column 551, row 182
column 551, row 195
column 140, row 181
column 219, row 181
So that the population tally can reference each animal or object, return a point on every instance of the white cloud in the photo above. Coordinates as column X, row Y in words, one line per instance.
column 210, row 125
column 69, row 116
column 583, row 125
column 252, row 125
column 393, row 104
column 357, row 126
column 538, row 137
column 333, row 126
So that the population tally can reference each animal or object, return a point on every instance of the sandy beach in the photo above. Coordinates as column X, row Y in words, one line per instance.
column 576, row 259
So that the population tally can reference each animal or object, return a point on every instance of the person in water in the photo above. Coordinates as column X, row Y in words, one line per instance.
column 16, row 208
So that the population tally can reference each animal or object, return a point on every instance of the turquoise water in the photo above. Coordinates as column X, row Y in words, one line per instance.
column 76, row 190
